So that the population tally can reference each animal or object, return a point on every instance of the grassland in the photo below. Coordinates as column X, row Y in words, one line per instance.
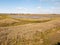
column 29, row 31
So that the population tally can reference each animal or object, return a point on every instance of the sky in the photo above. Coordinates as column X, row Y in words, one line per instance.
column 30, row 6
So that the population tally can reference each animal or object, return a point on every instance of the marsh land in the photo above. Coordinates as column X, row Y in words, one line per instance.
column 29, row 29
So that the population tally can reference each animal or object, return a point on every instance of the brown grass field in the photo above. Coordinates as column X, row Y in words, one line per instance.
column 29, row 29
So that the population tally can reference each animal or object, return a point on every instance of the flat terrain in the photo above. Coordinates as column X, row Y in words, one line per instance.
column 29, row 29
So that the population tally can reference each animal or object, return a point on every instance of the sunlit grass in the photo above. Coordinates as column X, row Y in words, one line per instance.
column 12, row 36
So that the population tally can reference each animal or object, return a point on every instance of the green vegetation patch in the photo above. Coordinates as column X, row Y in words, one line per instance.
column 21, row 21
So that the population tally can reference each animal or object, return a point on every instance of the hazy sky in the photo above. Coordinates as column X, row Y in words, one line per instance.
column 30, row 6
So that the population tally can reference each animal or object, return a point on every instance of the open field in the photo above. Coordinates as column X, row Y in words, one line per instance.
column 29, row 29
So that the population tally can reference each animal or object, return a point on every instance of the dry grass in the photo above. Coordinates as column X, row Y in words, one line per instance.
column 32, row 32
